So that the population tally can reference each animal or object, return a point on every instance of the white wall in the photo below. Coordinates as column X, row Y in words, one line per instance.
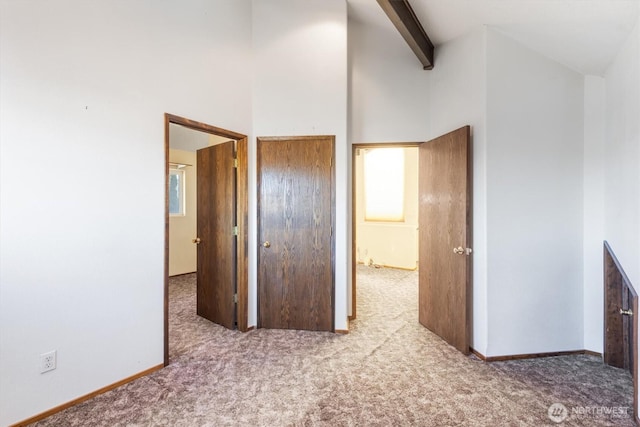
column 534, row 201
column 622, row 156
column 83, row 89
column 391, row 244
column 388, row 89
column 300, row 88
column 593, row 211
column 182, row 229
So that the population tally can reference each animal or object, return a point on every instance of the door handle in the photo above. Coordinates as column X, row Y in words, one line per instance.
column 462, row 251
column 266, row 244
column 196, row 241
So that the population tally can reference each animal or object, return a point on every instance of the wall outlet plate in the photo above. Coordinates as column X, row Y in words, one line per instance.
column 48, row 361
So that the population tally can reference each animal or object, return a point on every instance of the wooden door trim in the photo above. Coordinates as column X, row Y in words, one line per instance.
column 203, row 127
column 242, row 214
column 332, row 139
column 354, row 148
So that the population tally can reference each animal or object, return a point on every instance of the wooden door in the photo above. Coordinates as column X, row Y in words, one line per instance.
column 295, row 222
column 216, row 276
column 445, row 237
column 620, row 314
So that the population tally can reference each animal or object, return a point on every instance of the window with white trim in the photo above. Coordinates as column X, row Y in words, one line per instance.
column 176, row 192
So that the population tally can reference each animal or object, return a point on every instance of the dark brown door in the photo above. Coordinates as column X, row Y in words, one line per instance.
column 295, row 221
column 445, row 237
column 620, row 314
column 216, row 218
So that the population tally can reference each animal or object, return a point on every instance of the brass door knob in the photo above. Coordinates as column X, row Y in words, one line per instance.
column 196, row 241
column 462, row 251
column 266, row 244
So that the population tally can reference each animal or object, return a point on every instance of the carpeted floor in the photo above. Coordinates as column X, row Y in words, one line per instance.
column 388, row 371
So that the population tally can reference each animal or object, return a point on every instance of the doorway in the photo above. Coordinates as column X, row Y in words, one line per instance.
column 445, row 225
column 371, row 236
column 240, row 212
column 386, row 207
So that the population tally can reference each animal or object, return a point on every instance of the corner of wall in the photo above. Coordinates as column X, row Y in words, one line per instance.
column 593, row 211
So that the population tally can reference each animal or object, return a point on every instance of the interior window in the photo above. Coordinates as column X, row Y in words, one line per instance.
column 176, row 192
column 384, row 184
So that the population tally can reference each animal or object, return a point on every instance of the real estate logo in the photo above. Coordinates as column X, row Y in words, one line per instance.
column 558, row 412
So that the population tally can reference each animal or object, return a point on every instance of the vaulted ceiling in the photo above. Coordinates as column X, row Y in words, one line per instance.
column 584, row 35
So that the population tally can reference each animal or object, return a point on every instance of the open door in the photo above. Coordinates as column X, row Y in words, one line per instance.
column 445, row 237
column 241, row 208
column 216, row 217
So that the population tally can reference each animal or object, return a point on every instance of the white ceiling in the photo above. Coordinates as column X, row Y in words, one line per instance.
column 584, row 35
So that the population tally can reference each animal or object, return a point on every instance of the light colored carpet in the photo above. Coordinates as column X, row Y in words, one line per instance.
column 388, row 371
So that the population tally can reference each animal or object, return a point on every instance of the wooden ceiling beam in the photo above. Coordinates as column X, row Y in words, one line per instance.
column 404, row 19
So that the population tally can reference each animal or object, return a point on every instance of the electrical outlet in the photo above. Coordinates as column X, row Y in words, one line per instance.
column 47, row 361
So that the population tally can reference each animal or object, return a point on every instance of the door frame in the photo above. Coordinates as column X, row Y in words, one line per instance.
column 242, row 201
column 354, row 148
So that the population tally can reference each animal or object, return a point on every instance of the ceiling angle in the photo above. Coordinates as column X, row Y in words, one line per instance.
column 405, row 20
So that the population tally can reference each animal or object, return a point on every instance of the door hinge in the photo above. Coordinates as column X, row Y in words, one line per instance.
column 235, row 230
column 331, row 231
column 235, row 298
column 235, row 163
